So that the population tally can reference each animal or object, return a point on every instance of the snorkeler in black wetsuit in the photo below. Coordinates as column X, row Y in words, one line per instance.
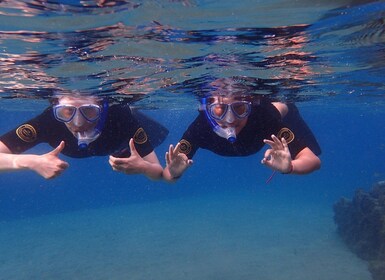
column 118, row 129
column 82, row 127
column 263, row 121
column 232, row 123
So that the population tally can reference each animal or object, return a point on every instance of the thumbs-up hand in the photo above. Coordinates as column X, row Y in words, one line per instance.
column 49, row 165
column 132, row 165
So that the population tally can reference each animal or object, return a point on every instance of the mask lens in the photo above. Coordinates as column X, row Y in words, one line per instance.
column 218, row 110
column 64, row 113
column 90, row 112
column 241, row 109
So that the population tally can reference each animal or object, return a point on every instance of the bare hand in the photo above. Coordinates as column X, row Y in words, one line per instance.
column 278, row 156
column 132, row 165
column 177, row 163
column 50, row 165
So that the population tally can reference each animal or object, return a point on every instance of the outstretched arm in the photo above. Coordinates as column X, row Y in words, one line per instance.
column 48, row 165
column 305, row 162
column 135, row 164
column 278, row 158
column 176, row 164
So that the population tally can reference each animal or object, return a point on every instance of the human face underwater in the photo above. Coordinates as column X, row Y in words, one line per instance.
column 229, row 112
column 81, row 116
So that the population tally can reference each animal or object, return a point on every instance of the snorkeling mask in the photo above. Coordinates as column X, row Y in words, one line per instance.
column 241, row 109
column 90, row 112
column 217, row 111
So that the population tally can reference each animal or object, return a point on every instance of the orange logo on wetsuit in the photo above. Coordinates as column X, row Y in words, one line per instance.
column 27, row 133
column 287, row 134
column 140, row 136
column 184, row 147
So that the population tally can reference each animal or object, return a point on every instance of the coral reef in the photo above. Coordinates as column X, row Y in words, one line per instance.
column 361, row 224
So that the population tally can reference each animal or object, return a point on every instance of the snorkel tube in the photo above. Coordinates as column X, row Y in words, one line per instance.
column 86, row 137
column 227, row 133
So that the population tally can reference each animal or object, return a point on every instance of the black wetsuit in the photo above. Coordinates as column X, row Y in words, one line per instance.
column 120, row 126
column 263, row 121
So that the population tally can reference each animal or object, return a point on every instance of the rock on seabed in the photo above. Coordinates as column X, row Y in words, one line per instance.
column 361, row 224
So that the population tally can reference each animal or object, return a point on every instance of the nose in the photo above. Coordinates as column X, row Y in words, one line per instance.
column 78, row 119
column 229, row 117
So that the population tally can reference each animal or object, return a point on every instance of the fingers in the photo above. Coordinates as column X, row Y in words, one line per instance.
column 64, row 165
column 117, row 161
column 125, row 165
column 54, row 170
column 267, row 157
column 118, row 168
column 167, row 158
column 266, row 162
column 58, row 149
column 275, row 143
column 268, row 142
column 132, row 147
column 268, row 153
column 171, row 151
column 168, row 155
column 55, row 174
column 285, row 145
column 271, row 155
column 176, row 150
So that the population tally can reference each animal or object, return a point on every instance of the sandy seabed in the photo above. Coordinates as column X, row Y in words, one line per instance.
column 200, row 237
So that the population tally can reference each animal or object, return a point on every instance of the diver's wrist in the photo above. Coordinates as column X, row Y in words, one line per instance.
column 291, row 169
column 24, row 161
column 174, row 175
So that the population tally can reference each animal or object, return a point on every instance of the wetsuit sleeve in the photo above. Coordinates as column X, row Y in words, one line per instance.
column 301, row 130
column 28, row 134
column 140, row 137
column 189, row 143
column 156, row 132
column 273, row 124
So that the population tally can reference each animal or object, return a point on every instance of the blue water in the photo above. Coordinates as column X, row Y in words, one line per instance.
column 220, row 220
